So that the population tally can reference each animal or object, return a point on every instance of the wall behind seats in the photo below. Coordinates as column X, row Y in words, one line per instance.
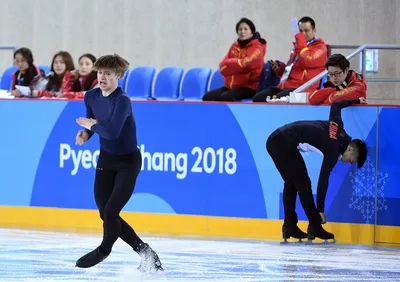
column 193, row 33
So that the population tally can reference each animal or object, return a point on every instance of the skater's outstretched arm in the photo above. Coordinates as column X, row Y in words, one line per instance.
column 328, row 164
column 89, row 114
column 335, row 114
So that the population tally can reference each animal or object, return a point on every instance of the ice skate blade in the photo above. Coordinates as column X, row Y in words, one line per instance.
column 151, row 270
column 310, row 241
column 286, row 242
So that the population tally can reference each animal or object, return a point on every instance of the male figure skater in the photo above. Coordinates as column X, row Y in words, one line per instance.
column 330, row 138
column 109, row 114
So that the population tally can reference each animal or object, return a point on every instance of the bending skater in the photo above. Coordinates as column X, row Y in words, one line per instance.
column 330, row 138
column 109, row 114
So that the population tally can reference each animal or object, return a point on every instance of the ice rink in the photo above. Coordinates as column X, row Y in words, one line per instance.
column 50, row 256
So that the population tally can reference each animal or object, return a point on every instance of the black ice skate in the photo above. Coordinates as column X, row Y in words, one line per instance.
column 321, row 233
column 91, row 259
column 150, row 262
column 292, row 231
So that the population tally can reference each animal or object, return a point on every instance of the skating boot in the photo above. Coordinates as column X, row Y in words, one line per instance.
column 150, row 262
column 321, row 233
column 92, row 258
column 293, row 231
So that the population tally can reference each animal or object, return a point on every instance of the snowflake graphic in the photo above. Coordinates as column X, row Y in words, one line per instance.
column 364, row 184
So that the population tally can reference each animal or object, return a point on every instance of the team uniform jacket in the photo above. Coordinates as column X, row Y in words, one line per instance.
column 15, row 75
column 66, row 88
column 354, row 87
column 242, row 67
column 308, row 61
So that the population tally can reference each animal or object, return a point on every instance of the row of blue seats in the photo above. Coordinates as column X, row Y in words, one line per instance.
column 170, row 82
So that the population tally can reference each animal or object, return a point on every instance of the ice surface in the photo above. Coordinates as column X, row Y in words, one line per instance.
column 50, row 256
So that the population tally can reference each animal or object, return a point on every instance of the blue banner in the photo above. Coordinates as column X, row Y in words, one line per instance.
column 198, row 159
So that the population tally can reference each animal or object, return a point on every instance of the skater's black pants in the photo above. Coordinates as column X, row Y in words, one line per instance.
column 289, row 162
column 272, row 91
column 114, row 184
column 224, row 94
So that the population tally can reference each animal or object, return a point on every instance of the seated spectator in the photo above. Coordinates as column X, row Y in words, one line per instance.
column 307, row 60
column 27, row 74
column 77, row 82
column 242, row 66
column 61, row 64
column 343, row 84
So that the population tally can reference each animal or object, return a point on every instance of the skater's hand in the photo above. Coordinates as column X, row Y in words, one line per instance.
column 81, row 137
column 323, row 217
column 86, row 122
column 363, row 101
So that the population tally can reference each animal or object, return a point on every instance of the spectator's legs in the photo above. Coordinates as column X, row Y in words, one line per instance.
column 215, row 94
column 284, row 92
column 269, row 92
column 237, row 94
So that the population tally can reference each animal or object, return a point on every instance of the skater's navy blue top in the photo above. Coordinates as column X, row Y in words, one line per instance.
column 116, row 125
column 328, row 136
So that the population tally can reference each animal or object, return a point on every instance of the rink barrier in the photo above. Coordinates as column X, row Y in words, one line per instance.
column 176, row 225
column 185, row 225
column 205, row 171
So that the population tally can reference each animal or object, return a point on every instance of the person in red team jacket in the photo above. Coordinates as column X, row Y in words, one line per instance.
column 242, row 66
column 307, row 60
column 344, row 84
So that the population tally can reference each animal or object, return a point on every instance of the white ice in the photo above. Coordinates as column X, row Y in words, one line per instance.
column 50, row 256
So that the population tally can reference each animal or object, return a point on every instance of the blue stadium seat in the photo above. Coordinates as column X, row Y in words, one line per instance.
column 168, row 83
column 7, row 77
column 122, row 81
column 139, row 82
column 322, row 81
column 195, row 83
column 217, row 80
column 45, row 68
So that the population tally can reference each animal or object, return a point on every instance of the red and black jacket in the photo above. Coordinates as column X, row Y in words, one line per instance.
column 242, row 66
column 354, row 87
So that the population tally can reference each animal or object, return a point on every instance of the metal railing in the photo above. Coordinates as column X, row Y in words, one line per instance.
column 9, row 48
column 361, row 49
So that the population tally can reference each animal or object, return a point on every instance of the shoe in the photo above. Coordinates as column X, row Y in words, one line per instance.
column 292, row 231
column 150, row 261
column 319, row 232
column 91, row 259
